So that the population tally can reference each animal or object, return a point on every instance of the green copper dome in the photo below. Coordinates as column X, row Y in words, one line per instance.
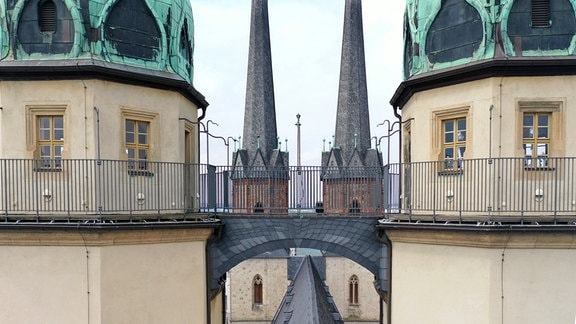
column 441, row 34
column 151, row 34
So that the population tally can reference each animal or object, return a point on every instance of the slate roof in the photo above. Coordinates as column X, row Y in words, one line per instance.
column 307, row 299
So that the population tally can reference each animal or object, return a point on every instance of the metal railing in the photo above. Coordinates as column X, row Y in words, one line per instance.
column 88, row 188
column 462, row 189
column 503, row 188
column 108, row 188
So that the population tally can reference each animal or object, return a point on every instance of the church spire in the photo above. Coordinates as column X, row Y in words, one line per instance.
column 352, row 135
column 260, row 115
column 352, row 119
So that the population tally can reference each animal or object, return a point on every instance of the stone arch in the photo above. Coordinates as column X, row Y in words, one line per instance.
column 138, row 41
column 245, row 237
column 66, row 40
column 520, row 39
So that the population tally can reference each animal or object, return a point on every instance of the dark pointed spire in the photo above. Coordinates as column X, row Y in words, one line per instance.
column 260, row 142
column 260, row 114
column 352, row 135
column 352, row 119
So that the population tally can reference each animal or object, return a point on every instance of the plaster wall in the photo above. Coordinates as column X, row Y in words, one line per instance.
column 456, row 284
column 151, row 277
column 154, row 284
column 504, row 94
column 46, row 284
column 169, row 111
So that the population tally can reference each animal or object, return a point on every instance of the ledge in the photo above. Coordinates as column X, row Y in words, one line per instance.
column 105, row 234
column 497, row 67
column 491, row 236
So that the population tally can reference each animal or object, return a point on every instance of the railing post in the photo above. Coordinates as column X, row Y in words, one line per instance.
column 69, row 197
column 99, row 187
column 385, row 185
column 226, row 190
column 211, row 184
column 5, row 177
column 556, row 170
column 435, row 191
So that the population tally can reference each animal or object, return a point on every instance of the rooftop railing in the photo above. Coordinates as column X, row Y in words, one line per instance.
column 503, row 189
column 514, row 189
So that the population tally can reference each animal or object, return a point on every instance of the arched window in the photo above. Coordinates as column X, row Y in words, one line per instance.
column 257, row 298
column 47, row 16
column 185, row 49
column 353, row 290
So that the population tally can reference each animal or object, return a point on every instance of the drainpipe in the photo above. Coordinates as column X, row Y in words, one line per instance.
column 385, row 240
column 399, row 155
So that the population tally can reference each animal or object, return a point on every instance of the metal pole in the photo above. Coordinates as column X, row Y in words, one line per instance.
column 208, row 140
column 299, row 162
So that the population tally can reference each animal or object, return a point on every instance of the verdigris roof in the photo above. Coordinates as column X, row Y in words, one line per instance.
column 452, row 33
column 152, row 34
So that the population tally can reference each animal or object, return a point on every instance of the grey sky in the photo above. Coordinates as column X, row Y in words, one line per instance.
column 306, row 38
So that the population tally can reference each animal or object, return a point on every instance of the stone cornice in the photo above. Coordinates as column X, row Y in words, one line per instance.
column 500, row 67
column 96, row 69
column 80, row 237
column 550, row 237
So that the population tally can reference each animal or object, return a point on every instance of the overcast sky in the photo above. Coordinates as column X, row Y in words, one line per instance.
column 306, row 40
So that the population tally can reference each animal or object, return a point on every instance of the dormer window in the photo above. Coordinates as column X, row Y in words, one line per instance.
column 540, row 13
column 47, row 16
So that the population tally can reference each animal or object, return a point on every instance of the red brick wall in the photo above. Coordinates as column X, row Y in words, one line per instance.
column 268, row 196
column 343, row 196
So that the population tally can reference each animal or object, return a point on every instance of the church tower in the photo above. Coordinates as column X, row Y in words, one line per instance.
column 98, row 151
column 351, row 167
column 488, row 154
column 260, row 168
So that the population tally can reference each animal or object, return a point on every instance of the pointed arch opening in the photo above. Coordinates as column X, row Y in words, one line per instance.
column 456, row 33
column 138, row 37
column 353, row 290
column 257, row 291
column 185, row 47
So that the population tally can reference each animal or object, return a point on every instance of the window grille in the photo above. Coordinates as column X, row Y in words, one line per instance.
column 47, row 16
column 540, row 13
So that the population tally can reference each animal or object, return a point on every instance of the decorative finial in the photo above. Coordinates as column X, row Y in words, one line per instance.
column 240, row 141
column 324, row 145
column 286, row 140
column 258, row 142
column 355, row 140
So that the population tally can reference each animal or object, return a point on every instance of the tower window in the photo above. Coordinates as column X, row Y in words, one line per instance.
column 257, row 298
column 50, row 141
column 454, row 143
column 137, row 144
column 353, row 290
column 536, row 139
column 47, row 16
column 540, row 13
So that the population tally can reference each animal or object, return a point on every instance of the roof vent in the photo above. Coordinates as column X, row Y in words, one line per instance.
column 47, row 16
column 540, row 13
